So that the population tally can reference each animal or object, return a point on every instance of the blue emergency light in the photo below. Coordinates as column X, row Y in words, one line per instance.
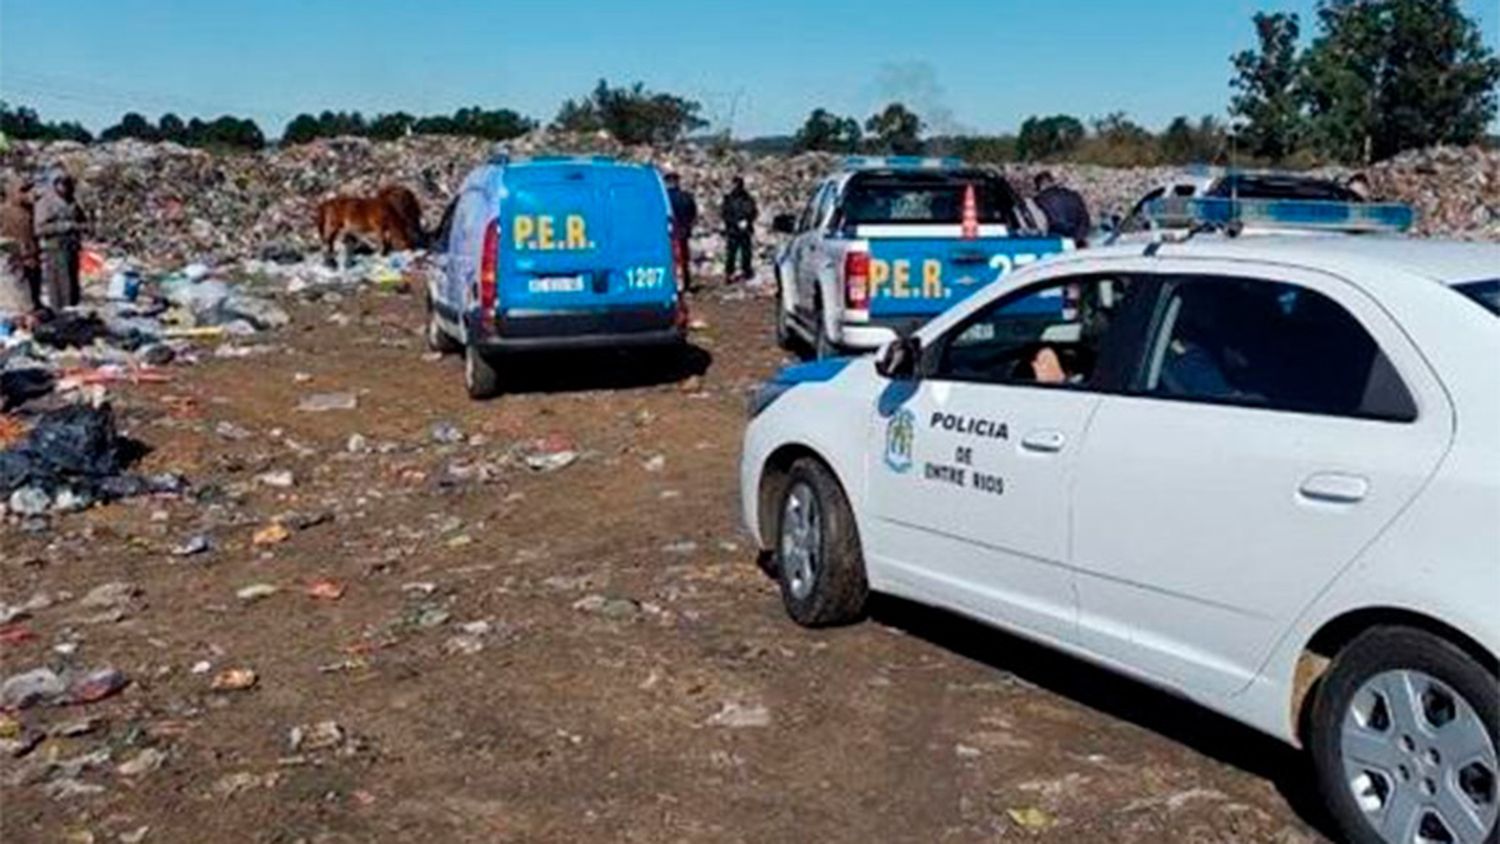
column 901, row 162
column 1312, row 215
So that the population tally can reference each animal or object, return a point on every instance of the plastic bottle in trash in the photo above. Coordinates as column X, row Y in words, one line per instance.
column 125, row 286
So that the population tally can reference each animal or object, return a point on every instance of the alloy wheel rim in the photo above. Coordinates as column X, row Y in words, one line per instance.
column 1419, row 761
column 801, row 539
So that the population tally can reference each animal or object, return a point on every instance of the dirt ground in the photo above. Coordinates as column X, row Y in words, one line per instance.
column 587, row 653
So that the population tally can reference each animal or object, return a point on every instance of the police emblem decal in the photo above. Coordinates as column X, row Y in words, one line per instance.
column 900, row 432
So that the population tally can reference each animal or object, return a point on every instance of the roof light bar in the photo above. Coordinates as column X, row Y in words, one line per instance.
column 1314, row 215
column 901, row 162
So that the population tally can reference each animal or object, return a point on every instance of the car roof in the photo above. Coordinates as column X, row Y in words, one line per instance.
column 1444, row 261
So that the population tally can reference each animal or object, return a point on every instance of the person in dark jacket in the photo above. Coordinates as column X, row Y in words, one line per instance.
column 1067, row 213
column 684, row 218
column 739, row 212
column 60, row 227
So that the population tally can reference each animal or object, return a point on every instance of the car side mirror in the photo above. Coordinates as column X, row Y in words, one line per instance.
column 898, row 359
column 784, row 224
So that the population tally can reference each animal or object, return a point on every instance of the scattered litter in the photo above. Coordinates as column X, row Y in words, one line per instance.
column 274, row 533
column 1031, row 818
column 736, row 715
column 322, row 402
column 324, row 589
column 234, row 680
column 256, row 592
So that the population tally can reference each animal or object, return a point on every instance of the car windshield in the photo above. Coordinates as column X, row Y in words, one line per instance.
column 1257, row 186
column 1486, row 293
column 926, row 197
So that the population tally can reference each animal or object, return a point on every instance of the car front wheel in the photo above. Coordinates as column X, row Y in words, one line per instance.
column 818, row 560
column 1404, row 740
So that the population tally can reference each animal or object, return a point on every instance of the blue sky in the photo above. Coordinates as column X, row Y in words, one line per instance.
column 759, row 67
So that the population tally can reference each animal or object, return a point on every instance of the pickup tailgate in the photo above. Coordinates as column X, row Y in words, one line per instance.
column 926, row 271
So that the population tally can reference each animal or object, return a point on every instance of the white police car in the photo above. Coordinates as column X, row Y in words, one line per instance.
column 1263, row 473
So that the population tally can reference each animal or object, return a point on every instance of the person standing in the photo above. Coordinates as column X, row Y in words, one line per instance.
column 739, row 212
column 60, row 226
column 24, row 260
column 684, row 218
column 1067, row 212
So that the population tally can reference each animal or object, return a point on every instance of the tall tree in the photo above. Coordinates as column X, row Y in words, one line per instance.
column 1268, row 102
column 1049, row 137
column 896, row 129
column 132, row 125
column 1183, row 142
column 633, row 115
column 827, row 132
column 1389, row 75
column 171, row 128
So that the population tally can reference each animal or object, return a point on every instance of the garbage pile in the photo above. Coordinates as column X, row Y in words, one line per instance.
column 72, row 458
column 177, row 204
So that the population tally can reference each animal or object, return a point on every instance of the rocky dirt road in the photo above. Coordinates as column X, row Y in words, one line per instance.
column 536, row 619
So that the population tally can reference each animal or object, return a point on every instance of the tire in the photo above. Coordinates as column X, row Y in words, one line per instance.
column 1425, row 773
column 481, row 378
column 437, row 339
column 817, row 557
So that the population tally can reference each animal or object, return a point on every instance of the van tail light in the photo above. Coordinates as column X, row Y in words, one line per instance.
column 489, row 266
column 679, row 261
column 857, row 280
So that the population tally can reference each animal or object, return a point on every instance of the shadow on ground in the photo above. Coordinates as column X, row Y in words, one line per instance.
column 1172, row 717
column 612, row 369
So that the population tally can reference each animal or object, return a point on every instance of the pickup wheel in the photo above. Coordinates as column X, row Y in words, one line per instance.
column 481, row 377
column 1403, row 738
column 818, row 560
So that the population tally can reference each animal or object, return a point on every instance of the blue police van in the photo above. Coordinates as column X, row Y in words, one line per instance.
column 552, row 253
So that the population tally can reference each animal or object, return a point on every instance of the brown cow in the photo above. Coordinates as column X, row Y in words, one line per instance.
column 390, row 220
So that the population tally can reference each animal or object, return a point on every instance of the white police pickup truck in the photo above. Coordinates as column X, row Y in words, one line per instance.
column 1260, row 472
column 887, row 243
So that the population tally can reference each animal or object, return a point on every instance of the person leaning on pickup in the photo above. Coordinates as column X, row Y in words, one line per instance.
column 1066, row 211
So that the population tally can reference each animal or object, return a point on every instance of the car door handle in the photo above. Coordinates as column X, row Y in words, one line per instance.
column 1046, row 442
column 1335, row 488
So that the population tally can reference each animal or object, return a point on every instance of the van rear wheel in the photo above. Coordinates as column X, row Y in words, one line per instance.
column 481, row 377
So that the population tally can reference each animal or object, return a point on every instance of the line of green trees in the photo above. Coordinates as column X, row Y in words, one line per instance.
column 1113, row 140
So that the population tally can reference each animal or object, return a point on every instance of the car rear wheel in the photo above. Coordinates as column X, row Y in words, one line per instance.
column 819, row 564
column 1404, row 741
column 481, row 377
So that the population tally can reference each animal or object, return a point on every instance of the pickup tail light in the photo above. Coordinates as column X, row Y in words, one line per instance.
column 489, row 265
column 857, row 280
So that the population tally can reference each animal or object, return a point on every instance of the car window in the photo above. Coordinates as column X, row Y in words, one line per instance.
column 1272, row 345
column 1486, row 293
column 826, row 203
column 810, row 211
column 1054, row 334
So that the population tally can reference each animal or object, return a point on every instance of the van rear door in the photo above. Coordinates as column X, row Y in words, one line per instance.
column 583, row 237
